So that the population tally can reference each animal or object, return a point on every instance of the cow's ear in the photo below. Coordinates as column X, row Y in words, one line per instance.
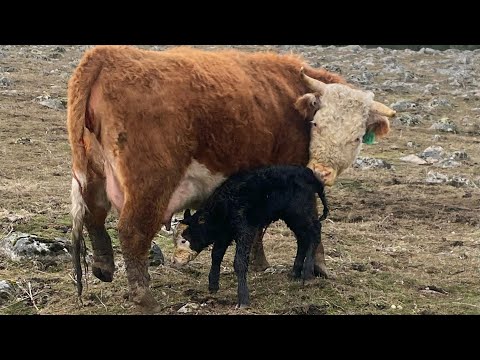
column 186, row 214
column 378, row 125
column 315, row 102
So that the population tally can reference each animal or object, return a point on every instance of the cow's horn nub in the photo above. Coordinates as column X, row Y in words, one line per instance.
column 317, row 85
column 313, row 84
column 381, row 109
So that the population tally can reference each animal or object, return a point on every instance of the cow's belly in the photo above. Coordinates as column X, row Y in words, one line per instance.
column 196, row 186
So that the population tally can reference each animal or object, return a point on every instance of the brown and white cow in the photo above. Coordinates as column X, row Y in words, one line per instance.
column 339, row 116
column 156, row 132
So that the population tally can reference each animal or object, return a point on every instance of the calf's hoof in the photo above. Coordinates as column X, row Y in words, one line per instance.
column 321, row 271
column 294, row 275
column 213, row 289
column 242, row 306
column 308, row 276
column 259, row 265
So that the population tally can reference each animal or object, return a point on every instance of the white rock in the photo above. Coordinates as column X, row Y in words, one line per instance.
column 414, row 159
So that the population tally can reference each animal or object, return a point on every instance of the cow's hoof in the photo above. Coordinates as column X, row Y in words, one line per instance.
column 320, row 271
column 103, row 268
column 143, row 298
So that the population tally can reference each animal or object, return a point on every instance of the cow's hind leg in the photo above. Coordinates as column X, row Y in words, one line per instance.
column 98, row 206
column 139, row 222
column 258, row 261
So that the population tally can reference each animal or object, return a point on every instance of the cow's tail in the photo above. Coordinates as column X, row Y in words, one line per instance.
column 321, row 194
column 79, row 88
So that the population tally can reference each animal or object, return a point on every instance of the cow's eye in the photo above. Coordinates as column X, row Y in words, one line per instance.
column 184, row 241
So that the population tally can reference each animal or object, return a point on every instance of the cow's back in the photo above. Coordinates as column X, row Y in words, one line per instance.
column 234, row 110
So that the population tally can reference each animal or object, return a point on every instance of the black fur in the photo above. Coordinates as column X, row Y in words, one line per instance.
column 248, row 202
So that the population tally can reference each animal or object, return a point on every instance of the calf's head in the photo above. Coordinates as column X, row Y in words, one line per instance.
column 341, row 116
column 190, row 238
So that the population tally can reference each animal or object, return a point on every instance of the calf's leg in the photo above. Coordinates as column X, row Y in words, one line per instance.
column 258, row 260
column 320, row 267
column 218, row 252
column 240, row 264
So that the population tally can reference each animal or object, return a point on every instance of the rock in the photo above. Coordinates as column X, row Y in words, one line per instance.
column 459, row 155
column 459, row 181
column 187, row 308
column 430, row 89
column 19, row 246
column 432, row 154
column 23, row 141
column 333, row 68
column 6, row 291
column 4, row 82
column 359, row 267
column 156, row 256
column 5, row 69
column 59, row 49
column 404, row 105
column 448, row 163
column 414, row 159
column 439, row 103
column 365, row 163
column 354, row 48
column 407, row 119
column 56, row 104
column 437, row 137
column 436, row 178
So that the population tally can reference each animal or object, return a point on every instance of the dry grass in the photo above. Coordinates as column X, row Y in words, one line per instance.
column 395, row 244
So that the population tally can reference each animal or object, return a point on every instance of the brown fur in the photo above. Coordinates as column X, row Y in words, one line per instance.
column 146, row 114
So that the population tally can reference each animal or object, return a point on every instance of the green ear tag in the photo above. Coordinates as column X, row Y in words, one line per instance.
column 369, row 138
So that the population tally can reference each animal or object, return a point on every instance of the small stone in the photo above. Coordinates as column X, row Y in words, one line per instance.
column 187, row 308
column 393, row 307
column 6, row 291
column 403, row 105
column 4, row 82
column 365, row 163
column 444, row 125
column 414, row 159
column 55, row 104
column 459, row 155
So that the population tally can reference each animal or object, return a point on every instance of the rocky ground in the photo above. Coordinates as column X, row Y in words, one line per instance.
column 404, row 231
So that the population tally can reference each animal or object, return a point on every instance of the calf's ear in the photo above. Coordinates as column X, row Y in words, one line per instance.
column 186, row 214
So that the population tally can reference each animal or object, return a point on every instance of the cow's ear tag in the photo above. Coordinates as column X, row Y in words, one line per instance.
column 369, row 138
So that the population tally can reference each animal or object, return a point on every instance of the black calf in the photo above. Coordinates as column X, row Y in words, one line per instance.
column 248, row 202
